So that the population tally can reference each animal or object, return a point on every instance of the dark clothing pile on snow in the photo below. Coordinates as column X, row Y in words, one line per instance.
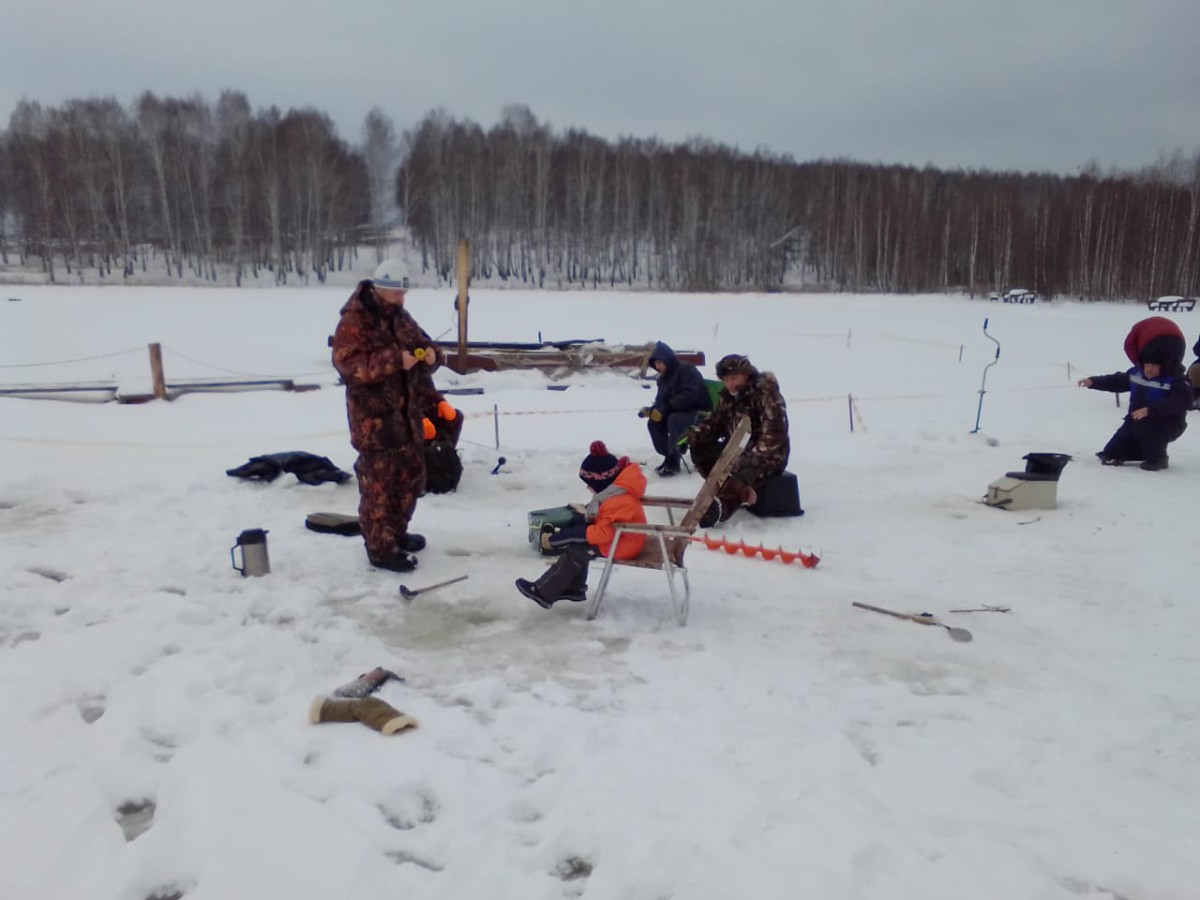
column 308, row 467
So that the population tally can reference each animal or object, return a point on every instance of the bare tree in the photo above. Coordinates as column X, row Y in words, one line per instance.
column 381, row 155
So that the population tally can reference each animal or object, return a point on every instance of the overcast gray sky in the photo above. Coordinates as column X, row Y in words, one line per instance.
column 1009, row 84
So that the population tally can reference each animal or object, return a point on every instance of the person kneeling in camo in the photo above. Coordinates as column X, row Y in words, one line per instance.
column 618, row 486
column 747, row 392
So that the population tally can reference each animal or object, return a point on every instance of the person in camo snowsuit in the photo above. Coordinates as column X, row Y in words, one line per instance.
column 377, row 348
column 746, row 392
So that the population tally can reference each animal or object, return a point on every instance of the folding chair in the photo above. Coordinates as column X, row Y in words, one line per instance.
column 665, row 544
column 714, row 394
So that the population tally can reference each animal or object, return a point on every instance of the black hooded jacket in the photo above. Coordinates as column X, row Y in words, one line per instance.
column 681, row 388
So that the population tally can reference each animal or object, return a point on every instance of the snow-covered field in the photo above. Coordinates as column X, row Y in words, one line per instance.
column 783, row 744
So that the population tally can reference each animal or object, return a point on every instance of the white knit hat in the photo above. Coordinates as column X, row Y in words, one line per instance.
column 391, row 274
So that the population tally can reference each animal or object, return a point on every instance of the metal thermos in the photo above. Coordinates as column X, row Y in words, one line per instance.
column 253, row 543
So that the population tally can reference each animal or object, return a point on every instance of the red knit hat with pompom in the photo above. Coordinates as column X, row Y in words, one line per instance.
column 599, row 468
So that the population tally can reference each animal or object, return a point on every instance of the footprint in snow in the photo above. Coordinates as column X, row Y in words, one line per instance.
column 408, row 806
column 50, row 574
column 135, row 817
column 91, row 708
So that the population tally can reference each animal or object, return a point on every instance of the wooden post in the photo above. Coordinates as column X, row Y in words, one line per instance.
column 464, row 274
column 156, row 372
column 645, row 359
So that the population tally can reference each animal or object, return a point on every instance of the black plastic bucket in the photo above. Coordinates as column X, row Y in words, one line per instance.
column 1047, row 465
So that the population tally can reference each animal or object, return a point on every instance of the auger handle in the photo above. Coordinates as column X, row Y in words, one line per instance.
column 880, row 609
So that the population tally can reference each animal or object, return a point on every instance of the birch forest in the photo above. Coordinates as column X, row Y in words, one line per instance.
column 208, row 188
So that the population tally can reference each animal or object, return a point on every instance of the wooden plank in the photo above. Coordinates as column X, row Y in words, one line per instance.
column 156, row 372
column 716, row 477
column 673, row 502
column 464, row 275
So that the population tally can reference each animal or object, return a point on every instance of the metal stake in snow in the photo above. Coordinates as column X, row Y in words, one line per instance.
column 983, row 384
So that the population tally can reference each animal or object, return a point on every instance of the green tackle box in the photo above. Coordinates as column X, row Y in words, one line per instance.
column 556, row 517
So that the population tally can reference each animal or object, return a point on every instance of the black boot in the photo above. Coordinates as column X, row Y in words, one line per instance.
column 412, row 543
column 669, row 467
column 529, row 589
column 397, row 562
column 567, row 578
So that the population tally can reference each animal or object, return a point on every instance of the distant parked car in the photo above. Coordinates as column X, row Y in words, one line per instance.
column 1017, row 295
column 1174, row 304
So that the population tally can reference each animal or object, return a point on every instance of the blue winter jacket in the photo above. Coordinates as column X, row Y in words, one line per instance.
column 1167, row 395
column 681, row 388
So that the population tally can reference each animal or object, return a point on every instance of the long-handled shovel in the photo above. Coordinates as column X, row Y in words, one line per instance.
column 408, row 593
column 959, row 634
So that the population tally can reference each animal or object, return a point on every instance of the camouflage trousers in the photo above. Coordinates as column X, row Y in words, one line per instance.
column 389, row 483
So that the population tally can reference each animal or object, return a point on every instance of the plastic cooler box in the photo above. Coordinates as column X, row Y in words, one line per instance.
column 555, row 516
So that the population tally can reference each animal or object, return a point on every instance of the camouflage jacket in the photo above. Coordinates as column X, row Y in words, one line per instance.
column 384, row 403
column 760, row 399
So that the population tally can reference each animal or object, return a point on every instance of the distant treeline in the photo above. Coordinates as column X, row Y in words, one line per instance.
column 574, row 208
column 92, row 185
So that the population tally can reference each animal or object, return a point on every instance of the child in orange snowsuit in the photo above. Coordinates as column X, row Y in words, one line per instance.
column 618, row 486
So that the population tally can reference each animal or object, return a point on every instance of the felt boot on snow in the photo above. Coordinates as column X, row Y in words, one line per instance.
column 371, row 711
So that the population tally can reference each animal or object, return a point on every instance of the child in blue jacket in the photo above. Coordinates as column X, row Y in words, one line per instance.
column 1159, row 397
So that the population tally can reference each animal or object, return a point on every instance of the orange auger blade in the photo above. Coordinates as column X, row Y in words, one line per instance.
column 808, row 560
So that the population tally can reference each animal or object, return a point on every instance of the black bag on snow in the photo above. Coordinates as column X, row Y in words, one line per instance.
column 443, row 467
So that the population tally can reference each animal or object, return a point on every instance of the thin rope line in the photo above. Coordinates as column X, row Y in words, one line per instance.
column 237, row 372
column 62, row 362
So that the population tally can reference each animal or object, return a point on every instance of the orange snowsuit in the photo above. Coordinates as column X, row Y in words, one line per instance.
column 625, row 507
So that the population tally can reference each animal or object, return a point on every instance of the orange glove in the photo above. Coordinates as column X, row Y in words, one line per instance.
column 430, row 431
column 446, row 411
